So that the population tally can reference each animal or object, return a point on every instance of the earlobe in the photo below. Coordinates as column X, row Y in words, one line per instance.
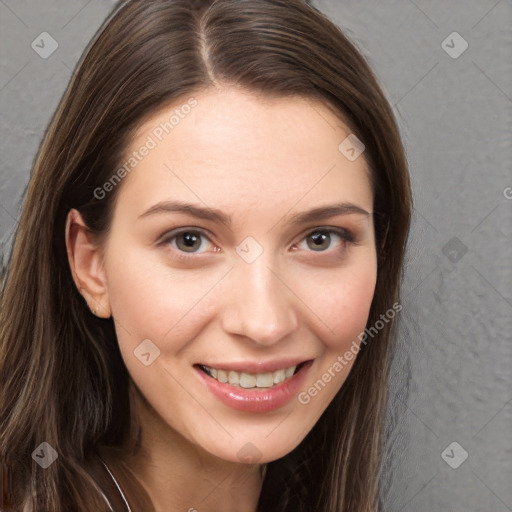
column 85, row 259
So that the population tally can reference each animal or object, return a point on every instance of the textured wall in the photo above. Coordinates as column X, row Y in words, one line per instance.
column 452, row 372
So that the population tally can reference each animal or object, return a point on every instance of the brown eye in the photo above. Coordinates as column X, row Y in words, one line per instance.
column 321, row 240
column 187, row 241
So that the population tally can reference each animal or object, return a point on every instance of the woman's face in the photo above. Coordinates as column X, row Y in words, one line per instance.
column 246, row 281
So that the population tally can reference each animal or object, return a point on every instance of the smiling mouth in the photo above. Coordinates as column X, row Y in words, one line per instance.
column 252, row 380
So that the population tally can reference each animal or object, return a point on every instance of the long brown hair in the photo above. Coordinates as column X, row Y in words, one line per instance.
column 63, row 378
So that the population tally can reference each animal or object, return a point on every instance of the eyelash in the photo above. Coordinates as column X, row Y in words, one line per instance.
column 346, row 237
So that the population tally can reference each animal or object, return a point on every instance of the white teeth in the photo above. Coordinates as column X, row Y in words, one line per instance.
column 264, row 380
column 234, row 378
column 249, row 380
column 279, row 376
column 289, row 372
column 221, row 376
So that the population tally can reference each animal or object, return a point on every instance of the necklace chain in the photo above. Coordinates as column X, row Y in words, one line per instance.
column 116, row 484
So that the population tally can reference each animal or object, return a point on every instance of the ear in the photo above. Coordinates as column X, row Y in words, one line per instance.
column 85, row 258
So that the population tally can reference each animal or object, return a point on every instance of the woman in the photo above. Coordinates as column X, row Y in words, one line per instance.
column 248, row 372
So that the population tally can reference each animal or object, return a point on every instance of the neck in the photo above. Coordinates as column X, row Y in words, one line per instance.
column 179, row 476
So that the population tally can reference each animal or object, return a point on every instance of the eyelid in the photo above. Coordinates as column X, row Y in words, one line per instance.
column 344, row 233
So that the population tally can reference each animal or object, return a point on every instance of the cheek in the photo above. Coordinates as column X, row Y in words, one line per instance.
column 342, row 301
column 343, row 308
column 151, row 300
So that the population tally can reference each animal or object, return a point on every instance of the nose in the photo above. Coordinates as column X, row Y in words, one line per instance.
column 258, row 304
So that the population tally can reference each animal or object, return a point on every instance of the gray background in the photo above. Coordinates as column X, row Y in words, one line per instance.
column 452, row 370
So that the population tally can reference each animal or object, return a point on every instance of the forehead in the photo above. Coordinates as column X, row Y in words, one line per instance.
column 235, row 148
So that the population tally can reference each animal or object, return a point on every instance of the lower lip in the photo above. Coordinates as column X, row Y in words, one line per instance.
column 256, row 400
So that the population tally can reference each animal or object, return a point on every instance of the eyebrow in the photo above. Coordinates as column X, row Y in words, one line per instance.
column 212, row 214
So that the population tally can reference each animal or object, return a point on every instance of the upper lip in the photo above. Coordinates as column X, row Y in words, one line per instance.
column 256, row 367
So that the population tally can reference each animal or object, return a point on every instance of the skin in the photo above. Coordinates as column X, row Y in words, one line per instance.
column 259, row 160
